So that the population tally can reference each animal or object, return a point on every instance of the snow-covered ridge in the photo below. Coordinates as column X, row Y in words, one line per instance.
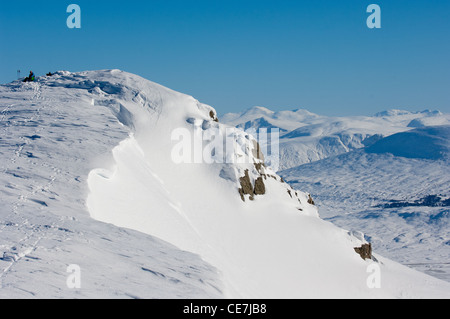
column 51, row 137
column 274, row 245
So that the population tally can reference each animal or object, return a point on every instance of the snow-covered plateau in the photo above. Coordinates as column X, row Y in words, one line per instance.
column 88, row 178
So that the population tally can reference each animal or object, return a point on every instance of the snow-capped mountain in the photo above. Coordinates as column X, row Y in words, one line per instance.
column 430, row 142
column 307, row 137
column 152, row 196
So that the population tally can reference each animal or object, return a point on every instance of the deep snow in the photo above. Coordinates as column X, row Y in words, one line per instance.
column 99, row 143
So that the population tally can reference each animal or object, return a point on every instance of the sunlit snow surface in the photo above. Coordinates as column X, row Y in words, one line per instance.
column 396, row 190
column 88, row 179
column 50, row 139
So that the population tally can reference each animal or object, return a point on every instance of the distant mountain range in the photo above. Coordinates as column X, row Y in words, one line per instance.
column 307, row 137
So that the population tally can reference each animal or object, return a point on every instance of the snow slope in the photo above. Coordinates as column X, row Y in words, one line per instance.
column 308, row 137
column 274, row 246
column 51, row 137
column 396, row 191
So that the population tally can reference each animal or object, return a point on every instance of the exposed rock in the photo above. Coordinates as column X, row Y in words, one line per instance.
column 259, row 166
column 257, row 151
column 246, row 186
column 365, row 251
column 213, row 116
column 260, row 188
column 310, row 200
column 241, row 192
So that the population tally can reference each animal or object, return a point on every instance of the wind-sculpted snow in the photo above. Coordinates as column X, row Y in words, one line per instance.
column 271, row 246
column 91, row 178
column 51, row 137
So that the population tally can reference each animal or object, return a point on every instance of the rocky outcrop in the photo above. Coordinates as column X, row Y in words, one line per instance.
column 257, row 178
column 310, row 200
column 246, row 186
column 365, row 251
column 257, row 153
column 213, row 116
column 260, row 188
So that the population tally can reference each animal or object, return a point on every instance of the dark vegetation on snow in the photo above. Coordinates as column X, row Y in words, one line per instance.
column 430, row 201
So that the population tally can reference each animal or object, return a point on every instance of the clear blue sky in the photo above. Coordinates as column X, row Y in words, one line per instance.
column 233, row 55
